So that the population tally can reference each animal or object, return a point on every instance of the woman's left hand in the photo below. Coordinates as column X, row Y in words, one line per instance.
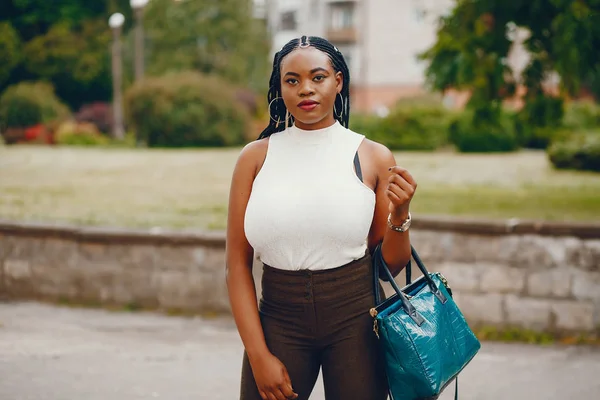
column 401, row 189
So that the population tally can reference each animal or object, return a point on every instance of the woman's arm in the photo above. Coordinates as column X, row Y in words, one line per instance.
column 239, row 253
column 394, row 190
column 270, row 375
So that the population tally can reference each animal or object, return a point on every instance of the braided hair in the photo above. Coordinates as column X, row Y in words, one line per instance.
column 277, row 110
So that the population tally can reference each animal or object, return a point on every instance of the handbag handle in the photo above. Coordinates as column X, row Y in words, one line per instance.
column 406, row 305
column 379, row 263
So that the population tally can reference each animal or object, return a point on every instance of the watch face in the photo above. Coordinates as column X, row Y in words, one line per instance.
column 406, row 224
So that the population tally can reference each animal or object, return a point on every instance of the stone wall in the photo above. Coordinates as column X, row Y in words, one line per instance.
column 534, row 275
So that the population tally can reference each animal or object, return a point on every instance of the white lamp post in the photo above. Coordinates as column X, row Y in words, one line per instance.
column 116, row 22
column 138, row 11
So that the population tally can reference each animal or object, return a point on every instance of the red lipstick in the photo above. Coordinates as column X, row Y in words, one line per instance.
column 308, row 105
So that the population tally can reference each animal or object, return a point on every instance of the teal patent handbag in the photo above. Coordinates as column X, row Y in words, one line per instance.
column 425, row 339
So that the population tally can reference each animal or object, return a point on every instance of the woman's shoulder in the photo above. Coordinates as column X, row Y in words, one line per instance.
column 253, row 154
column 373, row 149
column 255, row 148
column 375, row 158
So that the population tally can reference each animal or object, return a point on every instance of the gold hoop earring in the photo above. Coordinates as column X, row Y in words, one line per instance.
column 278, row 121
column 334, row 110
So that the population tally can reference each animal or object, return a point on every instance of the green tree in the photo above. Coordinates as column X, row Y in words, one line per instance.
column 9, row 50
column 65, row 42
column 32, row 18
column 210, row 36
column 473, row 42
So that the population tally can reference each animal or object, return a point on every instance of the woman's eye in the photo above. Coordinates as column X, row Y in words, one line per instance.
column 292, row 81
column 319, row 78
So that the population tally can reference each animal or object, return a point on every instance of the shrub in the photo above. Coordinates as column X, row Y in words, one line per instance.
column 580, row 115
column 13, row 135
column 99, row 113
column 248, row 99
column 537, row 124
column 473, row 133
column 34, row 134
column 30, row 103
column 409, row 126
column 72, row 133
column 581, row 152
column 185, row 110
column 37, row 134
column 366, row 124
column 415, row 128
column 18, row 112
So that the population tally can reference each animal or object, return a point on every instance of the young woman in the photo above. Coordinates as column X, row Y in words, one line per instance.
column 312, row 199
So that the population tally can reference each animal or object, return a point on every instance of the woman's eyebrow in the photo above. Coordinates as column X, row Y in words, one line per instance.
column 312, row 71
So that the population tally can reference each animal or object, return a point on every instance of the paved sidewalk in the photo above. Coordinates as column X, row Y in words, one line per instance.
column 57, row 353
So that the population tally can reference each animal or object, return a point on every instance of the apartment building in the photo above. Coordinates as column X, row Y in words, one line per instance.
column 380, row 40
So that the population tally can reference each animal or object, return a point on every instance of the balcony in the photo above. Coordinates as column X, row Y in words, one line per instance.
column 342, row 35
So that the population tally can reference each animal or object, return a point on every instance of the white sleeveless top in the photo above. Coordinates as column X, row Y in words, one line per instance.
column 308, row 209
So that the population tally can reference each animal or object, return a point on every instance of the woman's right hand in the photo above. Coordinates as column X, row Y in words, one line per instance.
column 272, row 378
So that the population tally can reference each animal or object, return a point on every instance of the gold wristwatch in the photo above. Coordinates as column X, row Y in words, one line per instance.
column 399, row 228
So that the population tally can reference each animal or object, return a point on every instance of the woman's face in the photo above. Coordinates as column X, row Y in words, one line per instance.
column 309, row 86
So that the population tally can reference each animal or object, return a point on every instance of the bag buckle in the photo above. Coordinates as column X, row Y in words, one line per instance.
column 373, row 313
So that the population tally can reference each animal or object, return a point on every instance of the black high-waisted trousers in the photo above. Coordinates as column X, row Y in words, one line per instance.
column 320, row 319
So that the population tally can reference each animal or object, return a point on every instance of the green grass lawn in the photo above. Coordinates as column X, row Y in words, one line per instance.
column 189, row 188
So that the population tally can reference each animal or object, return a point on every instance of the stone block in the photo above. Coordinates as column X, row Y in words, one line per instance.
column 17, row 269
column 460, row 276
column 17, row 278
column 531, row 251
column 55, row 282
column 213, row 260
column 573, row 315
column 134, row 256
column 462, row 248
column 95, row 280
column 181, row 258
column 215, row 296
column 179, row 289
column 585, row 254
column 432, row 246
column 60, row 254
column 527, row 312
column 3, row 246
column 586, row 285
column 481, row 308
column 93, row 252
column 593, row 255
column 501, row 279
column 24, row 247
column 134, row 287
column 555, row 282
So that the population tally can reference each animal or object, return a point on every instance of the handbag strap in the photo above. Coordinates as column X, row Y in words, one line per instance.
column 379, row 263
column 381, row 266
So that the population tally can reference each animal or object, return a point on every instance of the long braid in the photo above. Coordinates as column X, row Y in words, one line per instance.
column 277, row 110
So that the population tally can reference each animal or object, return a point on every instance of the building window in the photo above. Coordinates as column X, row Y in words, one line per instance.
column 342, row 16
column 288, row 21
column 347, row 53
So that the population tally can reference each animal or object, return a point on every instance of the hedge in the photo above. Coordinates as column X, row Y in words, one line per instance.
column 186, row 109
